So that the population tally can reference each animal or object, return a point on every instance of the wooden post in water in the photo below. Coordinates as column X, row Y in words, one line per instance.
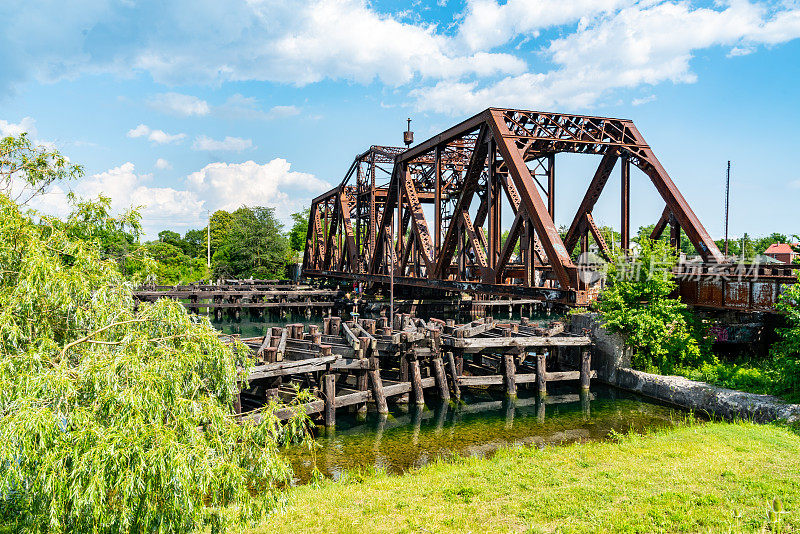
column 441, row 380
column 541, row 373
column 329, row 392
column 416, row 382
column 510, row 370
column 451, row 366
column 586, row 368
column 377, row 387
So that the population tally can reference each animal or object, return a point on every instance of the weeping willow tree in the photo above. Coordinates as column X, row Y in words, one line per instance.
column 115, row 418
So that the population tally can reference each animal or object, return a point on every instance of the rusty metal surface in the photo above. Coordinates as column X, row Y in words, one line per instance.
column 503, row 156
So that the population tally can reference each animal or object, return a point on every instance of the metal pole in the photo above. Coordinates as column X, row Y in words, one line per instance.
column 727, row 201
column 208, row 241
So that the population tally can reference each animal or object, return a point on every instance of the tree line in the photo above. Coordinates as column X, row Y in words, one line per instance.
column 249, row 242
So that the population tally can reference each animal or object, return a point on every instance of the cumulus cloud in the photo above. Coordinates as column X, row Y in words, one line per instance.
column 27, row 124
column 157, row 136
column 126, row 188
column 179, row 104
column 216, row 186
column 163, row 164
column 645, row 43
column 233, row 144
column 579, row 50
column 273, row 184
column 295, row 42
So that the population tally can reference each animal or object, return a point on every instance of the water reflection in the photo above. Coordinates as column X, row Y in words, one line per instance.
column 412, row 436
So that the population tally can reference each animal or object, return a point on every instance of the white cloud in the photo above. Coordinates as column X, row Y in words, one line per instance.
column 179, row 104
column 488, row 24
column 240, row 107
column 163, row 164
column 643, row 100
column 160, row 206
column 297, row 42
column 234, row 144
column 643, row 44
column 157, row 136
column 795, row 184
column 216, row 186
column 272, row 184
column 579, row 51
column 27, row 124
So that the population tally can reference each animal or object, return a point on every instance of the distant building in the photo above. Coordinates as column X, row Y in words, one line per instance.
column 782, row 252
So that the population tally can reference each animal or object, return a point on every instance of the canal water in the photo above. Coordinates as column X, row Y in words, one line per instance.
column 411, row 437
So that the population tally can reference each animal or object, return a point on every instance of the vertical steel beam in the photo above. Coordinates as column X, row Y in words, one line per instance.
column 551, row 185
column 532, row 201
column 625, row 192
column 437, row 205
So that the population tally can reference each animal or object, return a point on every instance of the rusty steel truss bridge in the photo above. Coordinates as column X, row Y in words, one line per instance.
column 373, row 227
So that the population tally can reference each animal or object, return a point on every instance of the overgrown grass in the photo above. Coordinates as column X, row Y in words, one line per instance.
column 761, row 376
column 715, row 477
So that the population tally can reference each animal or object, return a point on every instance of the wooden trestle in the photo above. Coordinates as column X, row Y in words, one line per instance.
column 352, row 363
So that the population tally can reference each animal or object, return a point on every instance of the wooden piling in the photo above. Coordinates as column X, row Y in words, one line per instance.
column 329, row 392
column 416, row 382
column 541, row 373
column 451, row 366
column 510, row 370
column 586, row 369
column 441, row 380
column 335, row 326
column 377, row 387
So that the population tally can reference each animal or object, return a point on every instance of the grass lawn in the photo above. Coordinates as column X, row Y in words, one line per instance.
column 714, row 477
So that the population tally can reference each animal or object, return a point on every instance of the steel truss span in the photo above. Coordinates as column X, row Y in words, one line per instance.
column 467, row 174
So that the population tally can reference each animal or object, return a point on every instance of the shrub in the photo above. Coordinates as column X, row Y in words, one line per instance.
column 787, row 350
column 636, row 303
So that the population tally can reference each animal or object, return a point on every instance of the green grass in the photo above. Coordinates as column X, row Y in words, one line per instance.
column 763, row 376
column 715, row 477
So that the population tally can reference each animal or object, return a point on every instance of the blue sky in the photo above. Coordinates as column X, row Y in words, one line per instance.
column 184, row 107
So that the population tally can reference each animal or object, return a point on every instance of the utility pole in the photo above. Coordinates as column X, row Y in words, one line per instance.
column 208, row 242
column 727, row 202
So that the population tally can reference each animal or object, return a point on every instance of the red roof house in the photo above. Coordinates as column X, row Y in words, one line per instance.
column 782, row 252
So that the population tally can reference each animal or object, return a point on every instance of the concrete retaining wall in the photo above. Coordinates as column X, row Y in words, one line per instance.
column 612, row 359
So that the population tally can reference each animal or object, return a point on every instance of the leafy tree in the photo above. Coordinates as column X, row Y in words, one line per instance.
column 299, row 230
column 173, row 266
column 168, row 236
column 220, row 225
column 762, row 244
column 27, row 170
column 117, row 237
column 252, row 246
column 637, row 303
column 115, row 418
column 195, row 243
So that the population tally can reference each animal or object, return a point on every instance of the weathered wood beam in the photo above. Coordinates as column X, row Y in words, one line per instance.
column 506, row 342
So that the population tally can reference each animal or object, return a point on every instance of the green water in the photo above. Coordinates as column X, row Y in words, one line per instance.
column 411, row 437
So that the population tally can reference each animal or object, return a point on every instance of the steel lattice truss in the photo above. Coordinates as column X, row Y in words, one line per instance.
column 495, row 155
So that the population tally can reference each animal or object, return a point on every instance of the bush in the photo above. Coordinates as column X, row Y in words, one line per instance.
column 116, row 419
column 636, row 303
column 787, row 350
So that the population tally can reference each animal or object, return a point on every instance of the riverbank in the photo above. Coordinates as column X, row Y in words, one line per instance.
column 698, row 477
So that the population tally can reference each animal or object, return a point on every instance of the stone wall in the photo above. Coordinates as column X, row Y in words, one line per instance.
column 612, row 359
